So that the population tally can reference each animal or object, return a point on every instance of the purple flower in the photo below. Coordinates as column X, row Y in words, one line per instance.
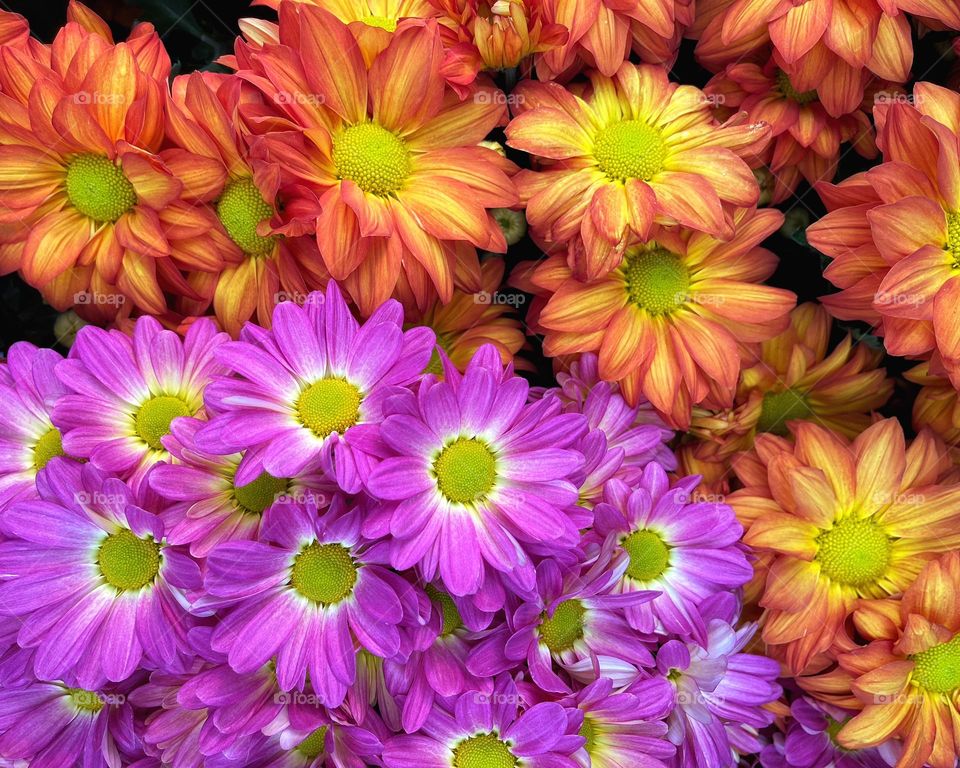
column 477, row 480
column 310, row 392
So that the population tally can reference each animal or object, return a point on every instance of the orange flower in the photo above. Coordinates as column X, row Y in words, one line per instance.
column 894, row 233
column 669, row 320
column 637, row 150
column 937, row 407
column 845, row 522
column 383, row 161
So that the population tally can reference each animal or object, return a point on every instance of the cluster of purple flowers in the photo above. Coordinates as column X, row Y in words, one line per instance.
column 298, row 549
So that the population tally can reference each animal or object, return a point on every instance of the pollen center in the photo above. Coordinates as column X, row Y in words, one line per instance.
column 256, row 496
column 328, row 406
column 938, row 669
column 953, row 236
column 312, row 746
column 656, row 280
column 483, row 751
column 854, row 552
column 565, row 627
column 451, row 615
column 324, row 573
column 787, row 89
column 48, row 446
column 128, row 562
column 780, row 407
column 153, row 418
column 84, row 700
column 98, row 188
column 649, row 556
column 241, row 208
column 630, row 149
column 466, row 470
column 372, row 157
column 589, row 732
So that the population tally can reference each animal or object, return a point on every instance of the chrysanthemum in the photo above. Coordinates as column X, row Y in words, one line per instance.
column 685, row 550
column 88, row 573
column 310, row 392
column 307, row 593
column 28, row 392
column 635, row 151
column 892, row 232
column 937, row 406
column 667, row 322
column 342, row 745
column 382, row 160
column 124, row 392
column 844, row 522
column 475, row 477
column 481, row 730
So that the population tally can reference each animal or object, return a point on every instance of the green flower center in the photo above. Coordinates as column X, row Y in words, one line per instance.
column 938, row 669
column 466, row 470
column 483, row 751
column 324, row 573
column 312, row 746
column 953, row 236
column 328, row 406
column 153, row 418
column 451, row 615
column 241, row 208
column 256, row 496
column 372, row 157
column 854, row 552
column 787, row 89
column 833, row 728
column 589, row 732
column 656, row 280
column 565, row 627
column 630, row 149
column 84, row 700
column 649, row 556
column 381, row 22
column 513, row 224
column 48, row 446
column 128, row 562
column 98, row 188
column 780, row 407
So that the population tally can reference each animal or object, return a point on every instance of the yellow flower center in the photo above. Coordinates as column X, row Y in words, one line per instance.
column 451, row 615
column 630, row 149
column 780, row 407
column 328, row 406
column 98, row 188
column 854, row 552
column 324, row 573
column 953, row 236
column 153, row 418
column 649, row 555
column 381, row 22
column 565, row 627
column 483, row 751
column 84, row 700
column 256, row 496
column 589, row 732
column 312, row 746
column 48, row 446
column 465, row 470
column 241, row 208
column 787, row 89
column 372, row 157
column 128, row 562
column 656, row 280
column 938, row 669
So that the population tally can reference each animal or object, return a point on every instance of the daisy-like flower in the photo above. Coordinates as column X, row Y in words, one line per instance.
column 483, row 730
column 843, row 522
column 685, row 550
column 910, row 688
column 634, row 151
column 333, row 744
column 475, row 477
column 124, row 392
column 894, row 232
column 310, row 392
column 307, row 593
column 937, row 406
column 88, row 573
column 390, row 155
column 668, row 321
column 28, row 392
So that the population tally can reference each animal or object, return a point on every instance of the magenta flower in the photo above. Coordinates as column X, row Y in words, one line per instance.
column 311, row 391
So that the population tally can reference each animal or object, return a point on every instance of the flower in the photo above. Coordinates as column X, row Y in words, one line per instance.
column 843, row 522
column 936, row 406
column 123, row 393
column 97, row 589
column 474, row 479
column 635, row 151
column 309, row 392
